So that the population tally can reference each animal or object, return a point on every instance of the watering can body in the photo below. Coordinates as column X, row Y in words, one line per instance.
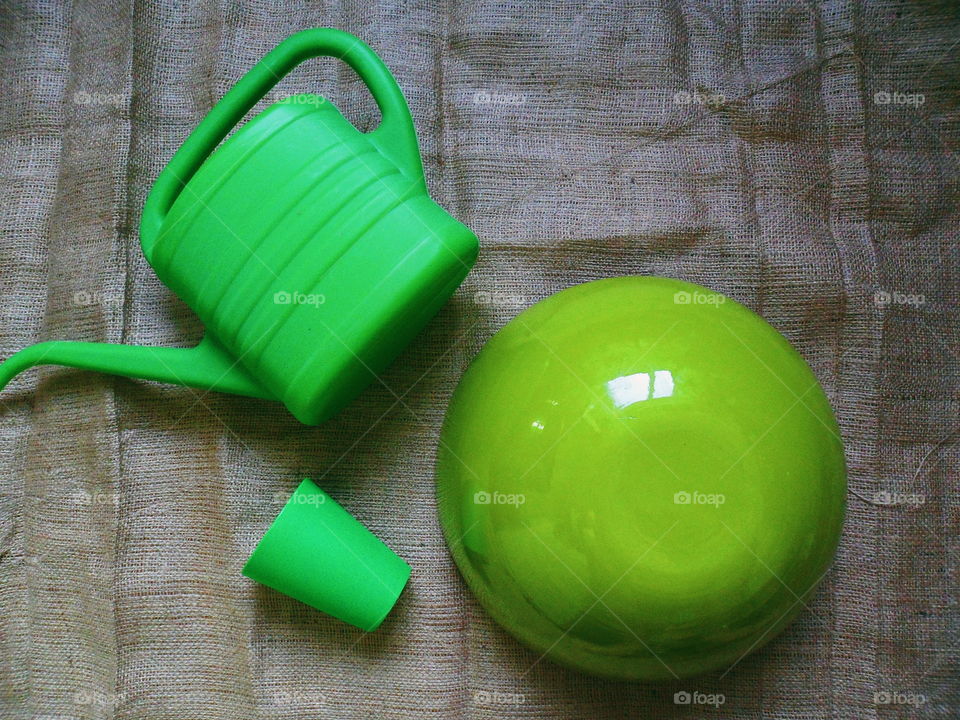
column 311, row 251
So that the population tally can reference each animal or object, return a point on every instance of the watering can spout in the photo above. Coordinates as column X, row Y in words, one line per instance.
column 207, row 366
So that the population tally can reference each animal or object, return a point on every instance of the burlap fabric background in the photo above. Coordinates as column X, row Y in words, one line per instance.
column 778, row 152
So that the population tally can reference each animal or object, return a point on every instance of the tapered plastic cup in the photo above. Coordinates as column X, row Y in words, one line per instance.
column 318, row 553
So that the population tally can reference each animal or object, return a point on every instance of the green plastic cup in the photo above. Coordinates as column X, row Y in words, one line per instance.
column 319, row 554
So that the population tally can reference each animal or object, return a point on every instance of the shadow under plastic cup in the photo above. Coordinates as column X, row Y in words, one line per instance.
column 319, row 554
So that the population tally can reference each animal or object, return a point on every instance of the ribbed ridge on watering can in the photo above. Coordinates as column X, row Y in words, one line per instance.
column 285, row 216
column 310, row 250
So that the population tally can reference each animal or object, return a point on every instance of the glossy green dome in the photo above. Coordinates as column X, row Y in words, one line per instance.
column 641, row 479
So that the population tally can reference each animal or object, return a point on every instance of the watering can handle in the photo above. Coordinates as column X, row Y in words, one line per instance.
column 395, row 136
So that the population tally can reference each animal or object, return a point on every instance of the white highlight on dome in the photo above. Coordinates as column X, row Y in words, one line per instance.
column 629, row 389
column 662, row 383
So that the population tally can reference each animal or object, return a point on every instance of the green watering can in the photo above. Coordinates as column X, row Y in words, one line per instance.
column 311, row 251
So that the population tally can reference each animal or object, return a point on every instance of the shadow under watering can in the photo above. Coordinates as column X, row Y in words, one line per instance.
column 311, row 251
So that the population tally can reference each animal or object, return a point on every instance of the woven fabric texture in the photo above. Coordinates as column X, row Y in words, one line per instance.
column 800, row 157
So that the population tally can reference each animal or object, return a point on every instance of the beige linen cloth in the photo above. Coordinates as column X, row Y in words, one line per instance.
column 800, row 157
